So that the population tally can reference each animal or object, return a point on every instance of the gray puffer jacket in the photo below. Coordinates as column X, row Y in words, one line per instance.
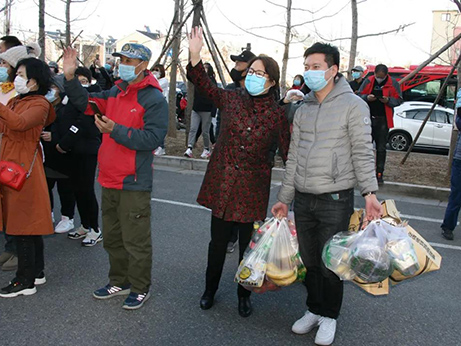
column 330, row 147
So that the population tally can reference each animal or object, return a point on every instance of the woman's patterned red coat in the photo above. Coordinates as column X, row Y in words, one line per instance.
column 236, row 185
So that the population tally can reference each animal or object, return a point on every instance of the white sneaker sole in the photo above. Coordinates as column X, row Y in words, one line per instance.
column 127, row 307
column 25, row 292
column 305, row 330
column 40, row 281
column 119, row 293
column 60, row 231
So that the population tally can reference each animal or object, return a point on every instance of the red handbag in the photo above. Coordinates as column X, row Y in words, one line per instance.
column 14, row 175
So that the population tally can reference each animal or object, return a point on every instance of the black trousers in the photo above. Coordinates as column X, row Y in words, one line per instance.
column 379, row 133
column 221, row 232
column 318, row 218
column 82, row 178
column 31, row 260
column 66, row 195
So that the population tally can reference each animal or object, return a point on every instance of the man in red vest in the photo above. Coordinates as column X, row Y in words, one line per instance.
column 382, row 93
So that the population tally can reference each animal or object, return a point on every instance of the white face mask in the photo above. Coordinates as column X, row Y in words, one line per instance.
column 20, row 84
column 157, row 74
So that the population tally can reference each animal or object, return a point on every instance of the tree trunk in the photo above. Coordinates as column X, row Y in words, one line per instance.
column 68, row 2
column 190, row 87
column 286, row 52
column 41, row 28
column 178, row 7
column 7, row 16
column 354, row 37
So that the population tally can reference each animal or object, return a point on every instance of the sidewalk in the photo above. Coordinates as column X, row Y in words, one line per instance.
column 389, row 188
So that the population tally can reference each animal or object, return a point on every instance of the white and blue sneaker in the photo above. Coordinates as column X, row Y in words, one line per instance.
column 110, row 291
column 135, row 300
column 92, row 238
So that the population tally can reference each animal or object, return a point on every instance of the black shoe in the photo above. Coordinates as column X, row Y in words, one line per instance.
column 207, row 300
column 447, row 234
column 245, row 306
column 379, row 177
column 15, row 289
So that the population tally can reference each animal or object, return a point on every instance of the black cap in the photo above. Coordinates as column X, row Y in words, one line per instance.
column 245, row 56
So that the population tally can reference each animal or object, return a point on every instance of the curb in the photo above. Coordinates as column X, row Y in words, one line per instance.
column 403, row 189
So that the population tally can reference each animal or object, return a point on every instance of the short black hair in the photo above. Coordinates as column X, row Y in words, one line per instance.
column 38, row 70
column 381, row 68
column 83, row 71
column 10, row 41
column 331, row 52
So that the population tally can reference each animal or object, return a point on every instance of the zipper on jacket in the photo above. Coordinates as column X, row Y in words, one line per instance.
column 315, row 137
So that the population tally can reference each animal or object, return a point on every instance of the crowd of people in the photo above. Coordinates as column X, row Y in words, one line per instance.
column 60, row 127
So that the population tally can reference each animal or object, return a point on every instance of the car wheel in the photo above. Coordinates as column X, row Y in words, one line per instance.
column 399, row 141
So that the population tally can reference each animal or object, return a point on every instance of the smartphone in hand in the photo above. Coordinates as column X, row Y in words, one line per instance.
column 96, row 110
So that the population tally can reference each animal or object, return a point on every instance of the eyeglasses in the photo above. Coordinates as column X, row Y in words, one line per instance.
column 258, row 73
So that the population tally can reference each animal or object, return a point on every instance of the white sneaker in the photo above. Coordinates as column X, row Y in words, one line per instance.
column 206, row 154
column 159, row 151
column 188, row 153
column 326, row 333
column 65, row 225
column 81, row 232
column 92, row 238
column 306, row 323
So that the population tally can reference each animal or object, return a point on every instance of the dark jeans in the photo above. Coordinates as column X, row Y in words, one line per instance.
column 318, row 218
column 127, row 237
column 66, row 195
column 30, row 258
column 221, row 232
column 82, row 178
column 379, row 132
column 454, row 201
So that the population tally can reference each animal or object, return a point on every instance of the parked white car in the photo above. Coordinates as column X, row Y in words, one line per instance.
column 408, row 118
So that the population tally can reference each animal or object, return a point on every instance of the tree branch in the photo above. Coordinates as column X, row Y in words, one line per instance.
column 248, row 32
column 320, row 18
column 400, row 28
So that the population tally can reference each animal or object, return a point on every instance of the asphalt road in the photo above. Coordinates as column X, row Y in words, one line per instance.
column 422, row 311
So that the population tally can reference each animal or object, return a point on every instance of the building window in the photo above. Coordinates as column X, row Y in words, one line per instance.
column 446, row 17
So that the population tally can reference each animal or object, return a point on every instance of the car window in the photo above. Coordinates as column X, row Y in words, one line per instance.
column 450, row 118
column 440, row 117
column 418, row 114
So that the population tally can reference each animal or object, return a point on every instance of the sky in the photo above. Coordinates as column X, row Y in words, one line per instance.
column 118, row 18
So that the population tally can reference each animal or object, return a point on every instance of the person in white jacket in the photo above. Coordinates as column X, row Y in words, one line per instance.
column 159, row 73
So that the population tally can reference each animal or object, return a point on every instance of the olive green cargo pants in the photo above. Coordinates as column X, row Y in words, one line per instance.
column 127, row 237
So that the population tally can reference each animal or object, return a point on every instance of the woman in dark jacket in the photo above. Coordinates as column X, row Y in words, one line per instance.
column 76, row 139
column 236, row 185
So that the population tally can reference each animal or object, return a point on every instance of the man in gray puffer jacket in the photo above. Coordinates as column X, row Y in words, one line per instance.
column 330, row 153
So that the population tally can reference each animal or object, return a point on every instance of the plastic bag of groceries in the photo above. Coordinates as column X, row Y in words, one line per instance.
column 369, row 258
column 337, row 254
column 259, row 229
column 282, row 260
column 252, row 270
column 401, row 250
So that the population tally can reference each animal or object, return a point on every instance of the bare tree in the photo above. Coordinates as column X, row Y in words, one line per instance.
column 7, row 10
column 41, row 28
column 354, row 35
column 286, row 51
column 68, row 20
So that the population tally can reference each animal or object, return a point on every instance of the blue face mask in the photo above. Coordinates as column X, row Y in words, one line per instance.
column 3, row 74
column 297, row 82
column 255, row 84
column 107, row 67
column 51, row 95
column 127, row 72
column 356, row 75
column 315, row 79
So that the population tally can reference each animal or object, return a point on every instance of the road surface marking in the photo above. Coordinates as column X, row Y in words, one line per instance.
column 196, row 206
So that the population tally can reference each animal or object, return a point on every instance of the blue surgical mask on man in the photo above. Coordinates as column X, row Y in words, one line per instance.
column 127, row 72
column 255, row 84
column 315, row 79
column 356, row 75
column 3, row 74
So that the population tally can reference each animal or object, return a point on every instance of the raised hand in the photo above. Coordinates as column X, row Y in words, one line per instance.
column 69, row 64
column 195, row 44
